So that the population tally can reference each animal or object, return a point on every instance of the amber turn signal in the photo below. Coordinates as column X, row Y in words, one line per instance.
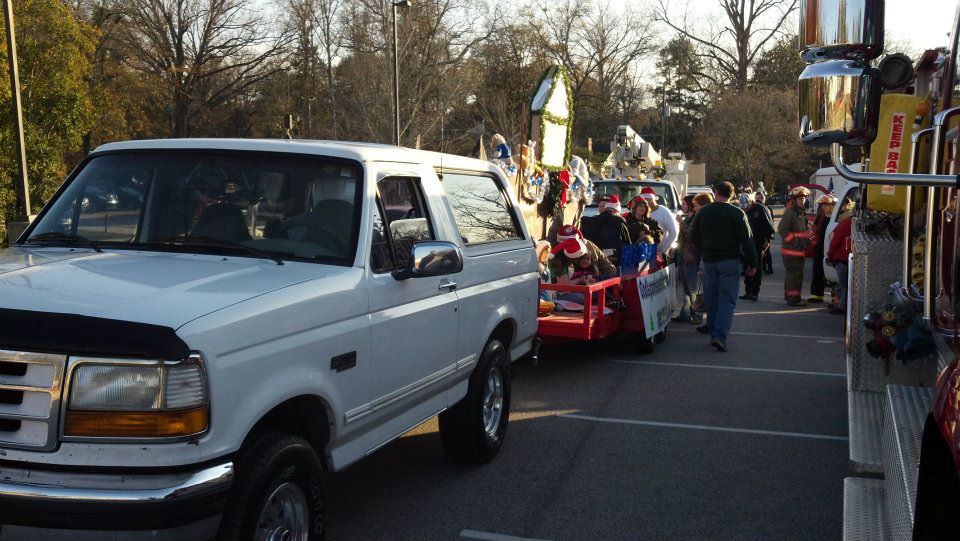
column 118, row 424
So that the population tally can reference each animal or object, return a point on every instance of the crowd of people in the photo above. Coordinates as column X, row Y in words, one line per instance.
column 718, row 238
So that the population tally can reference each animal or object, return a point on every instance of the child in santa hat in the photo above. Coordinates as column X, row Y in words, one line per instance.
column 543, row 262
column 607, row 269
column 573, row 265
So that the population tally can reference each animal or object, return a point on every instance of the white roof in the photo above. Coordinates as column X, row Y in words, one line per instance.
column 362, row 152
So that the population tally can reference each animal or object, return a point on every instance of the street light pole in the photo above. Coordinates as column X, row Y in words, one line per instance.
column 23, row 186
column 396, row 73
column 663, row 117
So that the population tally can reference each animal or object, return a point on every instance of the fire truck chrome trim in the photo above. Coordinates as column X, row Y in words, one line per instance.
column 895, row 179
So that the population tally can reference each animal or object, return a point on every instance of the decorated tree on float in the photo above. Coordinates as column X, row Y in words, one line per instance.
column 553, row 186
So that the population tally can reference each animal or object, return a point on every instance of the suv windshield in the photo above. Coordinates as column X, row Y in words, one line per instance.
column 627, row 190
column 256, row 205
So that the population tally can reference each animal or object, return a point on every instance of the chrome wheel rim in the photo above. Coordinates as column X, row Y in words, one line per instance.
column 493, row 402
column 285, row 515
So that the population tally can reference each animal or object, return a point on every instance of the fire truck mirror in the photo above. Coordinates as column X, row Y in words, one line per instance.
column 839, row 103
column 841, row 29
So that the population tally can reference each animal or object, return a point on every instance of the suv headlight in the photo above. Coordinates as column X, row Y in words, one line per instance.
column 137, row 399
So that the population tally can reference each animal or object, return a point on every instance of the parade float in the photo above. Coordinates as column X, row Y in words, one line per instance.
column 551, row 186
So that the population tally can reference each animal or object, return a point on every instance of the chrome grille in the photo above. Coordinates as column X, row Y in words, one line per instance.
column 30, row 391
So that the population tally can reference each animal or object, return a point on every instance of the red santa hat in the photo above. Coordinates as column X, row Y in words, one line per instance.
column 613, row 205
column 648, row 193
column 572, row 248
column 568, row 232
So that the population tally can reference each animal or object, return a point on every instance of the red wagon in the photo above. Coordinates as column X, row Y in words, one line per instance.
column 616, row 307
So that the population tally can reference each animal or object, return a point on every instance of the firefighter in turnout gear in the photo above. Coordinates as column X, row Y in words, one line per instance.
column 796, row 234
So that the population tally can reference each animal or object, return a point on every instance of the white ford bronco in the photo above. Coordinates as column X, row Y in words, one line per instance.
column 193, row 331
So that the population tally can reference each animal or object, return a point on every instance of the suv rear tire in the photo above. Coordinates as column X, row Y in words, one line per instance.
column 643, row 344
column 473, row 430
column 277, row 487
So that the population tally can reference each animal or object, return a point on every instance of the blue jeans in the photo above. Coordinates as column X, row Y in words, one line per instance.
column 689, row 280
column 841, row 269
column 721, row 285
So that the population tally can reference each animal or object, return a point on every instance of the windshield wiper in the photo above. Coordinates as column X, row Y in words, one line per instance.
column 54, row 237
column 209, row 242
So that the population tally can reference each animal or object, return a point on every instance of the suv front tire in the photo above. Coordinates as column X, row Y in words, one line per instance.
column 277, row 492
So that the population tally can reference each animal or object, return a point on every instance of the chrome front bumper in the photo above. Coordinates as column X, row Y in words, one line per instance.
column 111, row 500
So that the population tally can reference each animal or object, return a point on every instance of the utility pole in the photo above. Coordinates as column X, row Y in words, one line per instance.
column 664, row 114
column 396, row 72
column 22, row 184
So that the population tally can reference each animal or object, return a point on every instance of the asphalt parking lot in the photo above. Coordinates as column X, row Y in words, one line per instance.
column 608, row 444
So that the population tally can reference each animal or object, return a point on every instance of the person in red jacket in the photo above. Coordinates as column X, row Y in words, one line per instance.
column 838, row 254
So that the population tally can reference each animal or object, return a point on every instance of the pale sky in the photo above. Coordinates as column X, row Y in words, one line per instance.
column 925, row 23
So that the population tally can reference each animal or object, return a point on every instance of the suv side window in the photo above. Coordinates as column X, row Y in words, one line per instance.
column 400, row 220
column 480, row 208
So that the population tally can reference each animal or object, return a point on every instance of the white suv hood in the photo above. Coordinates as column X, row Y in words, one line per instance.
column 168, row 289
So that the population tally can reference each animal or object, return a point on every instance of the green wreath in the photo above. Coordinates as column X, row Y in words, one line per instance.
column 552, row 200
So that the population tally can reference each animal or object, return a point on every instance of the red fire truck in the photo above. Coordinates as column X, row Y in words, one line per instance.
column 902, row 338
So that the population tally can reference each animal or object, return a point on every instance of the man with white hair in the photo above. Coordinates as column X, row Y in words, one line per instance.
column 667, row 221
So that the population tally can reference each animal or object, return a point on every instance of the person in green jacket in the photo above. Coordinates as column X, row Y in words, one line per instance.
column 725, row 242
column 795, row 232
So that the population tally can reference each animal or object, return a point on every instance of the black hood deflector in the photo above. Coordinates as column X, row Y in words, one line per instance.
column 72, row 334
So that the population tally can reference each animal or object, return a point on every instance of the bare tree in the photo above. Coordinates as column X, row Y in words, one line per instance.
column 599, row 46
column 760, row 145
column 299, row 17
column 203, row 52
column 331, row 35
column 435, row 39
column 317, row 29
column 732, row 47
column 506, row 71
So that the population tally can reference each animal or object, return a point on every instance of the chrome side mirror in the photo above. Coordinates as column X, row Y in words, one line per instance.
column 839, row 103
column 432, row 258
column 841, row 29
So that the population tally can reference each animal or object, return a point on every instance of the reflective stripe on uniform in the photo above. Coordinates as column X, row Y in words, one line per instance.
column 792, row 253
column 789, row 237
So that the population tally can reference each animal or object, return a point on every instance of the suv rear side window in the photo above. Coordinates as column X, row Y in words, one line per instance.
column 480, row 208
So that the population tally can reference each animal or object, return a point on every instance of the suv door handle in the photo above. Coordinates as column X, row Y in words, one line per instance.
column 448, row 285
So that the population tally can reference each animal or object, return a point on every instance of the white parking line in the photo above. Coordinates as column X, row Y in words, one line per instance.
column 703, row 427
column 744, row 368
column 803, row 336
column 484, row 536
column 802, row 312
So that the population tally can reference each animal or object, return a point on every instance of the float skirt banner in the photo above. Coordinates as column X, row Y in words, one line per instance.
column 657, row 294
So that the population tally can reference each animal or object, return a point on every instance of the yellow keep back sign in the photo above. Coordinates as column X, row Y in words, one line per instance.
column 890, row 152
